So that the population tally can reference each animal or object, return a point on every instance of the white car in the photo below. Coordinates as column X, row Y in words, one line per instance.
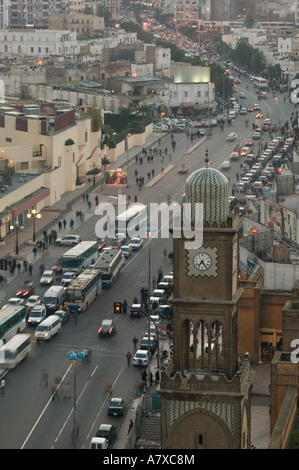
column 140, row 358
column 67, row 278
column 136, row 243
column 225, row 165
column 68, row 240
column 33, row 301
column 48, row 277
column 37, row 315
column 14, row 301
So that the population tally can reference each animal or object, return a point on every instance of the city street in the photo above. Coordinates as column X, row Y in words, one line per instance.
column 28, row 413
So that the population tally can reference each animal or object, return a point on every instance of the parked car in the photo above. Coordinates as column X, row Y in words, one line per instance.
column 148, row 342
column 26, row 289
column 164, row 311
column 116, row 407
column 107, row 327
column 136, row 243
column 108, row 431
column 68, row 240
column 47, row 277
column 140, row 358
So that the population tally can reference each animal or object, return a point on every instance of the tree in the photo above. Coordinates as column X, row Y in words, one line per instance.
column 96, row 118
column 257, row 62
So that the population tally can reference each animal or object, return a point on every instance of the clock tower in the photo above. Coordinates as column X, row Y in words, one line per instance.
column 205, row 389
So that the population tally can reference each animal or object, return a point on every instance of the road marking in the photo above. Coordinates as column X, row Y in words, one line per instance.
column 45, row 408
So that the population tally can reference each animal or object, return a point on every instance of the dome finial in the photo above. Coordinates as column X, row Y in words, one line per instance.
column 207, row 158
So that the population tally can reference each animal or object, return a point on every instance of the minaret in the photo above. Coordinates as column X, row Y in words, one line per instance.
column 205, row 389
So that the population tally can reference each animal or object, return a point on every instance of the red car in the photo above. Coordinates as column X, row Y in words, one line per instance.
column 264, row 127
column 183, row 169
column 57, row 268
column 248, row 143
column 26, row 289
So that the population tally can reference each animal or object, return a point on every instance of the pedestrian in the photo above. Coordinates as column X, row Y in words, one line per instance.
column 44, row 377
column 19, row 267
column 154, row 281
column 87, row 197
column 157, row 378
column 153, row 172
column 89, row 204
column 124, row 306
column 64, row 223
column 135, row 198
column 2, row 386
column 135, row 342
column 130, row 425
column 71, row 224
column 160, row 275
column 30, row 268
column 34, row 251
column 59, row 225
column 165, row 254
column 25, row 264
column 143, row 375
column 128, row 356
column 149, row 175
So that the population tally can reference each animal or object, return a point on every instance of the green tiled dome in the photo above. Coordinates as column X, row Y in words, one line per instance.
column 210, row 187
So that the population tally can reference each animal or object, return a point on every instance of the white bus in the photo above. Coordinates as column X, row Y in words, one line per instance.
column 260, row 83
column 15, row 350
column 131, row 218
column 80, row 256
column 12, row 321
column 83, row 290
column 110, row 262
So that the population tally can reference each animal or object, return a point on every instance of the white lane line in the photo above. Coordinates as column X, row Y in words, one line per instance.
column 40, row 416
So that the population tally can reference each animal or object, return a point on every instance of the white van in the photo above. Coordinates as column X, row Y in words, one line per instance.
column 48, row 328
column 54, row 297
column 232, row 114
column 168, row 278
column 99, row 443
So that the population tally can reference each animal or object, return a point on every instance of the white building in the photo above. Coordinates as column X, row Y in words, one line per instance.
column 38, row 43
column 4, row 14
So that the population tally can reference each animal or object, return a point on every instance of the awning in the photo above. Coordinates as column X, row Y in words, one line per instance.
column 28, row 202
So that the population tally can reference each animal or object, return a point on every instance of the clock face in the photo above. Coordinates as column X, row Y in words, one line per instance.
column 202, row 261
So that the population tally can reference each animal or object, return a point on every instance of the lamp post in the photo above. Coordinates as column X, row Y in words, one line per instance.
column 149, row 307
column 162, row 114
column 73, row 357
column 127, row 145
column 33, row 215
column 17, row 224
column 276, row 99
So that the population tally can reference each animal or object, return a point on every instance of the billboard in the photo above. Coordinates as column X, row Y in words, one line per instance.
column 281, row 220
column 116, row 178
column 194, row 74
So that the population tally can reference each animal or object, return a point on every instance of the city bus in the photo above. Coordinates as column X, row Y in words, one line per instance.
column 15, row 350
column 12, row 321
column 260, row 83
column 83, row 290
column 80, row 256
column 131, row 218
column 110, row 262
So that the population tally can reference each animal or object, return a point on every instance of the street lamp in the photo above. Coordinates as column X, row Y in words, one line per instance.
column 127, row 144
column 276, row 99
column 73, row 357
column 34, row 215
column 17, row 224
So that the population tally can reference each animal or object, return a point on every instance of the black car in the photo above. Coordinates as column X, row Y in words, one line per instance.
column 116, row 407
column 63, row 315
column 108, row 431
column 164, row 311
column 136, row 311
column 144, row 344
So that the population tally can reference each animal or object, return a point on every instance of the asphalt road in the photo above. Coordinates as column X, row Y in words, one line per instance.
column 30, row 419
